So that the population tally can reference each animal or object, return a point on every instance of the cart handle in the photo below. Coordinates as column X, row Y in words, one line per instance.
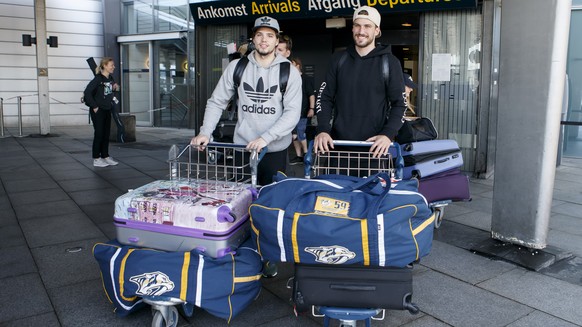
column 227, row 145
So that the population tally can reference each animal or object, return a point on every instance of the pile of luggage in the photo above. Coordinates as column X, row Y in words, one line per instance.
column 202, row 243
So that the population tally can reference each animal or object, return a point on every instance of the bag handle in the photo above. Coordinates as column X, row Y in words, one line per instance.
column 363, row 185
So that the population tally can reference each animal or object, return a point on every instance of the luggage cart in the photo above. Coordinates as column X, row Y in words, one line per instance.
column 217, row 162
column 361, row 164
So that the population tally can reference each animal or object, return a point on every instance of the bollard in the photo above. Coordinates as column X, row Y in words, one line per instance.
column 1, row 117
column 19, row 116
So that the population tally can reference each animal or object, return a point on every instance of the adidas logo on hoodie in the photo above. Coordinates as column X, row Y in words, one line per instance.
column 259, row 95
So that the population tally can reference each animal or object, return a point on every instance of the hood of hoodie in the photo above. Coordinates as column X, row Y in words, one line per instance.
column 377, row 51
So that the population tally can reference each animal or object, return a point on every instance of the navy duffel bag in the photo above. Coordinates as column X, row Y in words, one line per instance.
column 223, row 287
column 336, row 219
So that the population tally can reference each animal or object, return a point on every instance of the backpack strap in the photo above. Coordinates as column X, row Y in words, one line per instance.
column 284, row 69
column 239, row 69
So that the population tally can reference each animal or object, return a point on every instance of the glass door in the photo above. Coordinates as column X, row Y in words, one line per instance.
column 136, row 82
column 171, row 83
column 573, row 126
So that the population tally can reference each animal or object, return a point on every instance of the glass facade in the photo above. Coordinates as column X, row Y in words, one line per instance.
column 572, row 146
column 158, row 62
column 154, row 16
column 450, row 68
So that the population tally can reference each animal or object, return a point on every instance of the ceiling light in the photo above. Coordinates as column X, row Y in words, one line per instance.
column 406, row 24
column 405, row 49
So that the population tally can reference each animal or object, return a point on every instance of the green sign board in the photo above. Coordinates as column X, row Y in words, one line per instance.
column 240, row 11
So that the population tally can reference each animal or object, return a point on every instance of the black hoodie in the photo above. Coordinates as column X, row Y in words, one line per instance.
column 99, row 92
column 356, row 95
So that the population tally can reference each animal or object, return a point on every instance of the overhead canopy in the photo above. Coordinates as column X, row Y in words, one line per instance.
column 238, row 11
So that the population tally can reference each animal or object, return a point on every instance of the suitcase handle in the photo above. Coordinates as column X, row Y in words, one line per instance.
column 359, row 288
column 441, row 161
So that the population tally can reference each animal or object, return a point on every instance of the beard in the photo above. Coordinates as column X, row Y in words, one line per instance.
column 264, row 52
column 362, row 43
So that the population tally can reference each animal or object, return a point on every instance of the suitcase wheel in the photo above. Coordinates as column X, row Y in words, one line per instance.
column 165, row 317
column 439, row 214
column 408, row 305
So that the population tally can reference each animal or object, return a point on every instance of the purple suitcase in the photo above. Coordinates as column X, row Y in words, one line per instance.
column 449, row 185
column 182, row 215
column 427, row 158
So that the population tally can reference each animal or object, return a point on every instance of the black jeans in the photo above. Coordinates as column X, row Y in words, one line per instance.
column 102, row 126
column 268, row 167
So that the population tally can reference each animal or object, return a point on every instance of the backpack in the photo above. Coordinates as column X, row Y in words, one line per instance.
column 224, row 130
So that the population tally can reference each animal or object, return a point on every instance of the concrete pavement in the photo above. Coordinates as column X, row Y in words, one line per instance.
column 54, row 205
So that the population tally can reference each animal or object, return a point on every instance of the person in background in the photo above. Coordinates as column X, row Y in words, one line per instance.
column 364, row 105
column 99, row 98
column 307, row 111
column 409, row 86
column 284, row 46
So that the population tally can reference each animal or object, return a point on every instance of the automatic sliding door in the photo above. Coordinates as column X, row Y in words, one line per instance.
column 136, row 82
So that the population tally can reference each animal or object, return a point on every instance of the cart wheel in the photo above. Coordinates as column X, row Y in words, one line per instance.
column 158, row 320
column 439, row 214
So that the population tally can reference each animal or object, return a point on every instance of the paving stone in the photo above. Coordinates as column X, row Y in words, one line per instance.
column 10, row 236
column 85, row 184
column 67, row 263
column 424, row 321
column 65, row 175
column 463, row 264
column 569, row 270
column 454, row 209
column 478, row 203
column 25, row 185
column 23, row 171
column 59, row 229
column 460, row 304
column 540, row 319
column 99, row 213
column 476, row 219
column 125, row 184
column 574, row 196
column 106, row 195
column 66, row 164
column 7, row 216
column 108, row 229
column 566, row 224
column 16, row 261
column 292, row 321
column 23, row 296
column 570, row 209
column 563, row 240
column 34, row 197
column 544, row 293
column 85, row 304
column 44, row 320
column 47, row 209
column 117, row 172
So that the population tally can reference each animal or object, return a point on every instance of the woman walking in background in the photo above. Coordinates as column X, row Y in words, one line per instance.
column 99, row 98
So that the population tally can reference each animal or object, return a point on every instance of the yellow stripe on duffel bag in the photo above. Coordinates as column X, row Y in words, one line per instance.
column 422, row 226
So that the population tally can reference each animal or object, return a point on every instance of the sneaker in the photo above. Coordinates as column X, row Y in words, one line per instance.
column 110, row 161
column 296, row 161
column 100, row 162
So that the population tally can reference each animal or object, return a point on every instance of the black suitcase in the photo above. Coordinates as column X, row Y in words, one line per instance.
column 351, row 286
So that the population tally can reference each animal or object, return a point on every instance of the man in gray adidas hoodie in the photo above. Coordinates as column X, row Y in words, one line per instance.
column 265, row 116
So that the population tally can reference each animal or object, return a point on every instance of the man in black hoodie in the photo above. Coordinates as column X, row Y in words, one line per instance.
column 364, row 107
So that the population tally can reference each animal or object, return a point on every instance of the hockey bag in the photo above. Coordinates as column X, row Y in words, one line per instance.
column 222, row 286
column 337, row 219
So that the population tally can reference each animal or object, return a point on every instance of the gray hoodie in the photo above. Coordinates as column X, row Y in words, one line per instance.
column 260, row 113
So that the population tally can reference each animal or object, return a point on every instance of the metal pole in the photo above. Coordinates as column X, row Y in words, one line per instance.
column 19, row 116
column 1, row 117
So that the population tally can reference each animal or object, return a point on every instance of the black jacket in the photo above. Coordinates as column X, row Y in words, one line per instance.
column 356, row 95
column 99, row 92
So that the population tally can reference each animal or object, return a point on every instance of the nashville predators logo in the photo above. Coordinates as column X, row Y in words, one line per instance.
column 152, row 283
column 333, row 254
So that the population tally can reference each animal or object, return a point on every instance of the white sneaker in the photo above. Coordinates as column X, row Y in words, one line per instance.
column 110, row 161
column 100, row 162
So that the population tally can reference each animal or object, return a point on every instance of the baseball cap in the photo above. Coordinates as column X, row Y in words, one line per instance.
column 368, row 13
column 266, row 21
column 408, row 81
